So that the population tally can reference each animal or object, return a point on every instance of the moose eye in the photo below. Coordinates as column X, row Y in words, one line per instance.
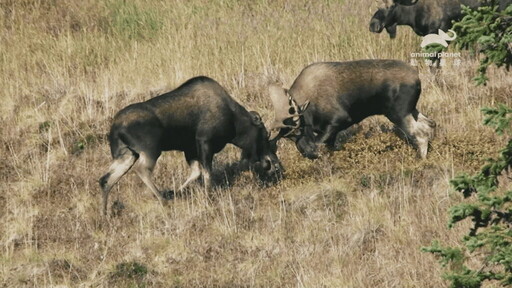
column 291, row 110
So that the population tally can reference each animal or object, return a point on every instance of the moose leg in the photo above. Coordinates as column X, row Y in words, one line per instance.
column 205, row 152
column 144, row 169
column 424, row 132
column 119, row 167
column 331, row 131
column 194, row 173
column 419, row 129
column 329, row 136
column 195, row 169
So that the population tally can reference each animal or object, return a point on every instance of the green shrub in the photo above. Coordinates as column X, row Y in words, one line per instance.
column 128, row 274
column 488, row 32
column 489, row 241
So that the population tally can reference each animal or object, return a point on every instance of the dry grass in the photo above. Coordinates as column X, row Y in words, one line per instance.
column 355, row 218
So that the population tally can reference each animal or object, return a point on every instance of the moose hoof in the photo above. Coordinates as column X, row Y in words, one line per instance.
column 337, row 146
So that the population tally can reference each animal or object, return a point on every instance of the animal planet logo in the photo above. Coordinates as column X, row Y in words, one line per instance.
column 441, row 38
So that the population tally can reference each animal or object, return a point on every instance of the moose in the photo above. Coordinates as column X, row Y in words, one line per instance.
column 199, row 118
column 401, row 2
column 390, row 3
column 328, row 97
column 423, row 16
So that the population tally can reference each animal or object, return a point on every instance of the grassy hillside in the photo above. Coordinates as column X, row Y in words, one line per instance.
column 354, row 218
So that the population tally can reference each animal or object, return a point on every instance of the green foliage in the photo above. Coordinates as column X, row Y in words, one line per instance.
column 130, row 270
column 500, row 118
column 489, row 204
column 489, row 240
column 488, row 243
column 490, row 32
column 129, row 274
column 45, row 126
column 433, row 49
column 127, row 20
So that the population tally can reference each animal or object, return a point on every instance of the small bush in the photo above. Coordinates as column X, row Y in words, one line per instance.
column 129, row 274
column 490, row 32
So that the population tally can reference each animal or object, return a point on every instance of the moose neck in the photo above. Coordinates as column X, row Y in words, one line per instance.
column 245, row 135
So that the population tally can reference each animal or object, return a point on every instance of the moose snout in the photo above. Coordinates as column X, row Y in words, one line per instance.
column 266, row 165
column 309, row 152
column 308, row 148
column 376, row 26
column 269, row 169
column 271, row 165
column 312, row 155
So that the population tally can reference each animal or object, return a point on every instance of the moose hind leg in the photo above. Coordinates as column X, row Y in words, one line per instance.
column 144, row 169
column 119, row 167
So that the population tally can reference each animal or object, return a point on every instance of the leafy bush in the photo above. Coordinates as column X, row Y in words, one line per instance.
column 490, row 32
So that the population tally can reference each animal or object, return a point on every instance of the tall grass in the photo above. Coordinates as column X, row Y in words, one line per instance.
column 355, row 218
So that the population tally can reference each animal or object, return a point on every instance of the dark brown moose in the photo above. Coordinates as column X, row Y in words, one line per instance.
column 198, row 118
column 328, row 97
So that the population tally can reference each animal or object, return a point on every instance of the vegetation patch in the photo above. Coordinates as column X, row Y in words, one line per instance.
column 132, row 21
column 63, row 270
column 129, row 274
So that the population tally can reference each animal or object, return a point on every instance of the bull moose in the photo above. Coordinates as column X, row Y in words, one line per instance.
column 198, row 118
column 329, row 97
column 424, row 17
column 389, row 3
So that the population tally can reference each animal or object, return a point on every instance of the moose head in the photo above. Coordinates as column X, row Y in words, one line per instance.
column 289, row 122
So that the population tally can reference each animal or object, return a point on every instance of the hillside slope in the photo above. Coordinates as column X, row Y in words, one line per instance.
column 354, row 218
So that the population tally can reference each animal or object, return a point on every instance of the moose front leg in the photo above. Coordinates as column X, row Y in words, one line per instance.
column 329, row 136
column 144, row 169
column 195, row 173
column 195, row 167
column 205, row 151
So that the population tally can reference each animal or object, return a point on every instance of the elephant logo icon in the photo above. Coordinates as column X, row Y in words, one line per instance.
column 440, row 38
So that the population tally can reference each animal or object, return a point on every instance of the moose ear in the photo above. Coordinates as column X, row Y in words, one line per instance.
column 256, row 118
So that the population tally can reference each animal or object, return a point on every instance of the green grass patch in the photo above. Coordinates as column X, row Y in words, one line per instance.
column 131, row 21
